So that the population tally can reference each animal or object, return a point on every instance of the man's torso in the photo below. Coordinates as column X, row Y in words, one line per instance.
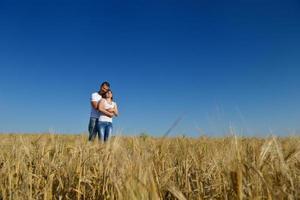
column 96, row 97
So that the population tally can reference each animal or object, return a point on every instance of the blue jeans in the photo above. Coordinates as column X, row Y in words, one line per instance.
column 105, row 130
column 93, row 128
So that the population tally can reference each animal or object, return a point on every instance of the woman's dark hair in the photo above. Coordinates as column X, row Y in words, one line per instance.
column 104, row 94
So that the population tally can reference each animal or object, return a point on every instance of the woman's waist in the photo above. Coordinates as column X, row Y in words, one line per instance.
column 104, row 118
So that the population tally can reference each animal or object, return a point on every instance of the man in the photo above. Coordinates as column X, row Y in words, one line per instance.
column 95, row 112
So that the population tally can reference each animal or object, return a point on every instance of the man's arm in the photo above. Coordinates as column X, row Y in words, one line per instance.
column 95, row 100
column 95, row 104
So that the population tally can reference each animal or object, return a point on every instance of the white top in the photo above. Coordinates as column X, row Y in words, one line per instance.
column 104, row 118
column 95, row 97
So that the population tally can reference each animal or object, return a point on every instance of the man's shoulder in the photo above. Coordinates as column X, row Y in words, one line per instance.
column 96, row 96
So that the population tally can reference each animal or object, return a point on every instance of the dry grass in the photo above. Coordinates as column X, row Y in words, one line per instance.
column 68, row 167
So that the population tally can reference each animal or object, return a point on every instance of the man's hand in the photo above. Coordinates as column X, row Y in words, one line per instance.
column 111, row 110
column 114, row 111
column 110, row 114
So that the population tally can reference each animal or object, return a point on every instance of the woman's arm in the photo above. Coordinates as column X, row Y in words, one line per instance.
column 102, row 109
column 116, row 112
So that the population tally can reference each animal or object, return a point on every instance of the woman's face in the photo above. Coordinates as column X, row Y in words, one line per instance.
column 109, row 94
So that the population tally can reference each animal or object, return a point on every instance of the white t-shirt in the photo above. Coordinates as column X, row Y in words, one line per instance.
column 95, row 97
column 104, row 118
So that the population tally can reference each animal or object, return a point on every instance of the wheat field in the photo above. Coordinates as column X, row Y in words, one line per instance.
column 49, row 166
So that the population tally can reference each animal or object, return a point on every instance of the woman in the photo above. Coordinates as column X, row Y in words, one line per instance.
column 105, row 122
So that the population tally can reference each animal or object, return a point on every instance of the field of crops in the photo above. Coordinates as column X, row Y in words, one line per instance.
column 141, row 167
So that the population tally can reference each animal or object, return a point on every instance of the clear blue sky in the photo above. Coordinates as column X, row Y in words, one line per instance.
column 216, row 64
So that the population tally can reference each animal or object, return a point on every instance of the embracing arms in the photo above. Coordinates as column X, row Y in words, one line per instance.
column 102, row 109
column 114, row 110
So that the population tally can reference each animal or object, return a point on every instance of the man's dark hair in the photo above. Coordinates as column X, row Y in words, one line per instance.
column 105, row 83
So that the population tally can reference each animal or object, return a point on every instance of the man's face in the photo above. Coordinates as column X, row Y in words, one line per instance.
column 104, row 89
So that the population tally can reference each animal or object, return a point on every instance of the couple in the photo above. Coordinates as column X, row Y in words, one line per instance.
column 102, row 112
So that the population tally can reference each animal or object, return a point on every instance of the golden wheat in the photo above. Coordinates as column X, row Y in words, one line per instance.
column 49, row 166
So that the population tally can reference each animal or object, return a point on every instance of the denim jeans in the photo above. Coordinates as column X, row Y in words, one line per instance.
column 105, row 130
column 93, row 128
